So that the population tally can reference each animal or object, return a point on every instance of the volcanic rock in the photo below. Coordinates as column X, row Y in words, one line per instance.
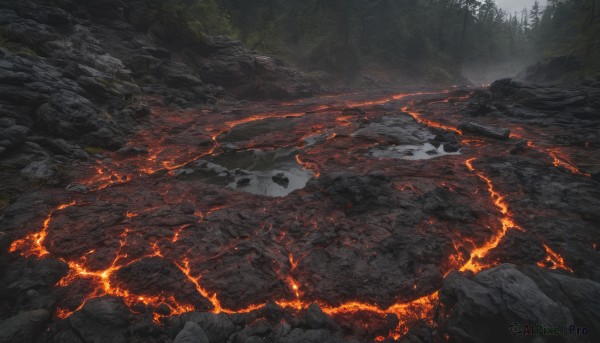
column 478, row 309
column 519, row 147
column 4, row 243
column 232, row 65
column 281, row 180
column 155, row 275
column 101, row 320
column 312, row 336
column 39, row 170
column 132, row 151
column 24, row 327
column 359, row 193
column 243, row 182
column 12, row 136
column 400, row 130
column 40, row 274
column 446, row 204
column 315, row 318
column 218, row 327
column 544, row 98
column 485, row 130
column 191, row 333
column 77, row 188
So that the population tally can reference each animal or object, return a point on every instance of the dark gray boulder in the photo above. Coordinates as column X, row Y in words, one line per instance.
column 315, row 318
column 217, row 327
column 24, row 327
column 191, row 333
column 486, row 130
column 102, row 320
column 359, row 193
column 483, row 308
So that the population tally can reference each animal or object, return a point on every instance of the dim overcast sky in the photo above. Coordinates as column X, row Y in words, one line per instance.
column 517, row 5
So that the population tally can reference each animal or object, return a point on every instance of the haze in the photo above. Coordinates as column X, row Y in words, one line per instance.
column 517, row 5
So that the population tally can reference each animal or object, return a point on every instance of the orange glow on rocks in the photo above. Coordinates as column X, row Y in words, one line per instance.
column 386, row 100
column 294, row 288
column 559, row 158
column 105, row 284
column 33, row 244
column 313, row 167
column 553, row 260
column 417, row 116
column 506, row 222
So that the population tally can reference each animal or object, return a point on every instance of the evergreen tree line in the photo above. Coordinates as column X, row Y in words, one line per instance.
column 434, row 39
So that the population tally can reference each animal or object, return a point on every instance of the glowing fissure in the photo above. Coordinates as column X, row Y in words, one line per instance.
column 553, row 260
column 558, row 157
column 33, row 244
column 506, row 222
column 102, row 280
column 417, row 116
column 313, row 167
column 106, row 286
column 396, row 97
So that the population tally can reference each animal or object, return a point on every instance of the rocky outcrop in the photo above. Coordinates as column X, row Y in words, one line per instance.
column 485, row 130
column 75, row 78
column 553, row 70
column 101, row 320
column 549, row 98
column 232, row 65
column 496, row 305
column 24, row 327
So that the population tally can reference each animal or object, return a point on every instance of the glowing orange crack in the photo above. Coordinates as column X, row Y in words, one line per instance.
column 553, row 260
column 417, row 309
column 313, row 167
column 417, row 116
column 104, row 285
column 558, row 157
column 506, row 222
column 395, row 97
column 33, row 244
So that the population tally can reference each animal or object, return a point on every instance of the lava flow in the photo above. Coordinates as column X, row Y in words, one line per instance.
column 34, row 244
column 559, row 159
column 553, row 260
column 209, row 237
column 105, row 285
column 419, row 118
column 506, row 222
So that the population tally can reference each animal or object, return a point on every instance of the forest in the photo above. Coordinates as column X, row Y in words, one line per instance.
column 432, row 39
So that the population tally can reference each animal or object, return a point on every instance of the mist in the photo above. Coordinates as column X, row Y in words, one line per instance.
column 285, row 171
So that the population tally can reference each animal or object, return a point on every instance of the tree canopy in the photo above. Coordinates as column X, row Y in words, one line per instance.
column 431, row 39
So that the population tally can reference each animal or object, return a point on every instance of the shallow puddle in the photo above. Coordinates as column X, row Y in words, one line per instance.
column 274, row 173
column 412, row 152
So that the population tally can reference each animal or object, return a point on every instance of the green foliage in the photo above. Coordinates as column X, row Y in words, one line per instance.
column 430, row 38
column 572, row 28
column 14, row 47
column 189, row 20
column 93, row 150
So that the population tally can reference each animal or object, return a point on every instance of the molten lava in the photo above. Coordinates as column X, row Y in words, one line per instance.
column 33, row 244
column 553, row 260
column 168, row 155
column 506, row 222
column 313, row 167
column 559, row 159
column 417, row 116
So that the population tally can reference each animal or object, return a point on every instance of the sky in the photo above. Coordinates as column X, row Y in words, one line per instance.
column 517, row 5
